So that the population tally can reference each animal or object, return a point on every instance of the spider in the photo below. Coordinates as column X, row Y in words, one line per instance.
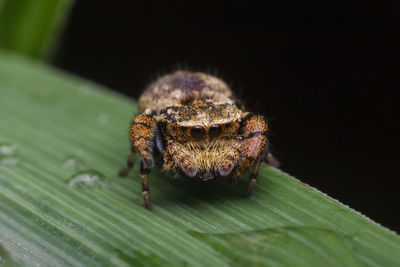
column 191, row 124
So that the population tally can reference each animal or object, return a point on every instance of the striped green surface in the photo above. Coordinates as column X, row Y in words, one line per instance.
column 62, row 141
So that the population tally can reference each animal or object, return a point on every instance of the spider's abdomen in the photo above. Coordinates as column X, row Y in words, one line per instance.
column 184, row 87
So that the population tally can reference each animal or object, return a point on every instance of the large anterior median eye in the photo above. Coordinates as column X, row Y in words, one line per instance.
column 197, row 132
column 214, row 130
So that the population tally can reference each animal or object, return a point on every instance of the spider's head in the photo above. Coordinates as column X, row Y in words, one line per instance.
column 202, row 138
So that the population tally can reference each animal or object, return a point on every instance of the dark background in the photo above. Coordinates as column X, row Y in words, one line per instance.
column 325, row 77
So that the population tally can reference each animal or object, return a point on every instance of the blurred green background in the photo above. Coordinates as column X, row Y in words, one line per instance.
column 31, row 27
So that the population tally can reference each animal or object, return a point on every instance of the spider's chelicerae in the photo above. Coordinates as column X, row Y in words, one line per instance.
column 190, row 123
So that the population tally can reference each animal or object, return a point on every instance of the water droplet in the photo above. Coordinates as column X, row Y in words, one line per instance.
column 6, row 155
column 7, row 150
column 86, row 179
column 9, row 161
column 103, row 118
column 72, row 163
column 84, row 90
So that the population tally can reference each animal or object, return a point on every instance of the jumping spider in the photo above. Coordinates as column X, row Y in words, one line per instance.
column 191, row 124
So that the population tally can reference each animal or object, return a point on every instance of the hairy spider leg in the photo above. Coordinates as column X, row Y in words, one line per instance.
column 129, row 163
column 144, row 175
column 253, row 147
column 141, row 134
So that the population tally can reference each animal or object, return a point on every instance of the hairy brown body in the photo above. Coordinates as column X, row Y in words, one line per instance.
column 190, row 123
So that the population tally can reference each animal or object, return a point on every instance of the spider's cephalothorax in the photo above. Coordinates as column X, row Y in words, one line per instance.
column 190, row 124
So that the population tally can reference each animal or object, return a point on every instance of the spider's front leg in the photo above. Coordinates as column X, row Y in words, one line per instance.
column 253, row 147
column 142, row 135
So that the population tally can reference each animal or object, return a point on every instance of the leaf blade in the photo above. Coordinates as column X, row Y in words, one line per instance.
column 52, row 117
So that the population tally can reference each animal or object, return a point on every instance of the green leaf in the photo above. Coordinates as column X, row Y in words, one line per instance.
column 62, row 142
column 30, row 27
column 5, row 259
column 289, row 246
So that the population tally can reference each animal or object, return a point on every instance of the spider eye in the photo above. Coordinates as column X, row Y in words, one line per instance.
column 197, row 132
column 183, row 128
column 214, row 130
